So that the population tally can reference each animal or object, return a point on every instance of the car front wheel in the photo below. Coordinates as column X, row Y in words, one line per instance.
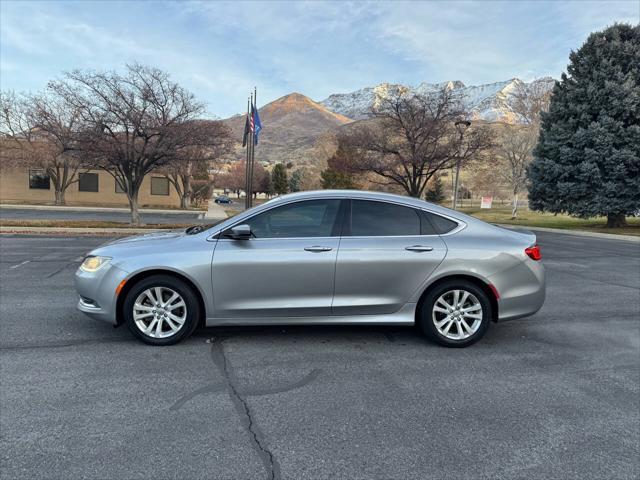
column 161, row 310
column 455, row 314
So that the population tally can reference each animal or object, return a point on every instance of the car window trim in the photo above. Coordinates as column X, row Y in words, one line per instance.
column 222, row 235
column 347, row 218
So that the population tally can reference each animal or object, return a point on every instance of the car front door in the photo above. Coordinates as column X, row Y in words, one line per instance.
column 286, row 269
column 387, row 252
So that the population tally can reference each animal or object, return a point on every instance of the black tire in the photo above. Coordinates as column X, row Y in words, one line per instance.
column 426, row 319
column 192, row 306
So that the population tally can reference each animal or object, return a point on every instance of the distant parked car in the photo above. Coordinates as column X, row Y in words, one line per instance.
column 223, row 199
column 329, row 257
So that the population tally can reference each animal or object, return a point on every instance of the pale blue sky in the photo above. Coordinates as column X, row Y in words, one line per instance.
column 220, row 50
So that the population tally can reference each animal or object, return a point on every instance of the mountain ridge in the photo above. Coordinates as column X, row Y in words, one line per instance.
column 490, row 102
column 291, row 126
column 299, row 130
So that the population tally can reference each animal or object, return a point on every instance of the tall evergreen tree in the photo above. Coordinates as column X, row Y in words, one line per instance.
column 587, row 161
column 339, row 173
column 279, row 179
column 295, row 180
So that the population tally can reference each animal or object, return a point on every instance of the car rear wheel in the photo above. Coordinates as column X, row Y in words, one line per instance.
column 455, row 314
column 161, row 310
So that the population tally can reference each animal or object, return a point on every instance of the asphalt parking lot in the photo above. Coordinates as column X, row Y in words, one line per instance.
column 555, row 396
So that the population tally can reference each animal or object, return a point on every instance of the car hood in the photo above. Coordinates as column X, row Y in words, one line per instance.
column 131, row 245
column 148, row 237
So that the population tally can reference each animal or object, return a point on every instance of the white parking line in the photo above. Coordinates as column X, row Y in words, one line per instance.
column 19, row 265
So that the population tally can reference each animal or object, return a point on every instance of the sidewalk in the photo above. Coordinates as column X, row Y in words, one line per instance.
column 98, row 209
column 74, row 231
column 215, row 211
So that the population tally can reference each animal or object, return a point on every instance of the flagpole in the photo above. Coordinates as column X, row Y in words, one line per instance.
column 253, row 141
column 250, row 162
column 247, row 160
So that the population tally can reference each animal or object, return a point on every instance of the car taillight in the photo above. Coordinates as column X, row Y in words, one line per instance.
column 534, row 252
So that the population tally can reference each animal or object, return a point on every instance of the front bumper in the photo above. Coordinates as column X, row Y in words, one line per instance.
column 97, row 292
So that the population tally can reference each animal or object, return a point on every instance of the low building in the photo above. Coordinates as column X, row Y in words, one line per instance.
column 94, row 187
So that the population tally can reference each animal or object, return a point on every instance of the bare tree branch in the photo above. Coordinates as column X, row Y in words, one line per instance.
column 412, row 137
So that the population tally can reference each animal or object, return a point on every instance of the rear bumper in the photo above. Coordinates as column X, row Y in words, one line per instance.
column 522, row 290
column 97, row 292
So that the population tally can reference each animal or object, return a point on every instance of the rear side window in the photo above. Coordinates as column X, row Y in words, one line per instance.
column 378, row 219
column 436, row 224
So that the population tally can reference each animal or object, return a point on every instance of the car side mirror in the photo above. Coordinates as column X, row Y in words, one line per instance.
column 240, row 232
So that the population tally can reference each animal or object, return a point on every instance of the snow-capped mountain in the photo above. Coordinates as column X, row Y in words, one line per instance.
column 491, row 102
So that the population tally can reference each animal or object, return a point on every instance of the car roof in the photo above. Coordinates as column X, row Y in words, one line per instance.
column 380, row 196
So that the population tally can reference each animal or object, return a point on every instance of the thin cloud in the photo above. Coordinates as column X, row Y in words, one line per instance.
column 220, row 50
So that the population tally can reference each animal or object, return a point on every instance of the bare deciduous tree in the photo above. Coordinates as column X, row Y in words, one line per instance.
column 516, row 149
column 211, row 139
column 42, row 131
column 412, row 137
column 515, row 153
column 234, row 178
column 132, row 123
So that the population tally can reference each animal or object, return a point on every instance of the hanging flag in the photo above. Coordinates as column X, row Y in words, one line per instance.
column 247, row 129
column 256, row 124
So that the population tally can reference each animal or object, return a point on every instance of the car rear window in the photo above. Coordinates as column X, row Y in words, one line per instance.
column 436, row 224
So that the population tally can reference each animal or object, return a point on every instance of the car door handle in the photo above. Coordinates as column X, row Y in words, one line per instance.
column 317, row 248
column 419, row 248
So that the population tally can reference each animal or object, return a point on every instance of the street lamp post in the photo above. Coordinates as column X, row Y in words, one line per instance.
column 461, row 125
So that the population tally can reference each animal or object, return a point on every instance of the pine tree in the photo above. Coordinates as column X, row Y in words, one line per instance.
column 339, row 173
column 435, row 194
column 295, row 180
column 279, row 179
column 587, row 161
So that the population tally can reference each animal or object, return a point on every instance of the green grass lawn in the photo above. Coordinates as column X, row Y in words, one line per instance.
column 548, row 220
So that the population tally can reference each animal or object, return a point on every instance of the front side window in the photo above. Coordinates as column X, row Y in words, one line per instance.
column 88, row 182
column 312, row 218
column 39, row 180
column 380, row 219
column 159, row 186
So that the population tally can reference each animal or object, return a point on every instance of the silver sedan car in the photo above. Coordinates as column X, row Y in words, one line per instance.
column 327, row 257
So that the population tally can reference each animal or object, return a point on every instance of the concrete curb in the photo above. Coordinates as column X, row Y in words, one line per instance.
column 98, row 209
column 578, row 233
column 8, row 230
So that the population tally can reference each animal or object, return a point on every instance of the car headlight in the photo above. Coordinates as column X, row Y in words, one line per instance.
column 93, row 263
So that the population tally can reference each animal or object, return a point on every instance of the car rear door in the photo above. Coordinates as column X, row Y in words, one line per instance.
column 387, row 251
column 286, row 270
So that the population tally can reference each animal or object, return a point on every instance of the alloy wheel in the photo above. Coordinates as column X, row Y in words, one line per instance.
column 457, row 314
column 159, row 312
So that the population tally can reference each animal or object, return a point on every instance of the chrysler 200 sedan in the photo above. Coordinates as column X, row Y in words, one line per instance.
column 328, row 257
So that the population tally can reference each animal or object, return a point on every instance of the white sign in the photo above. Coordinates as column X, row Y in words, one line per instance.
column 486, row 202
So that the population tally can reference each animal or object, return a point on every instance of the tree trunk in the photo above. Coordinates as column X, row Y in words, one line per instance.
column 60, row 197
column 514, row 209
column 616, row 220
column 133, row 204
column 187, row 192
